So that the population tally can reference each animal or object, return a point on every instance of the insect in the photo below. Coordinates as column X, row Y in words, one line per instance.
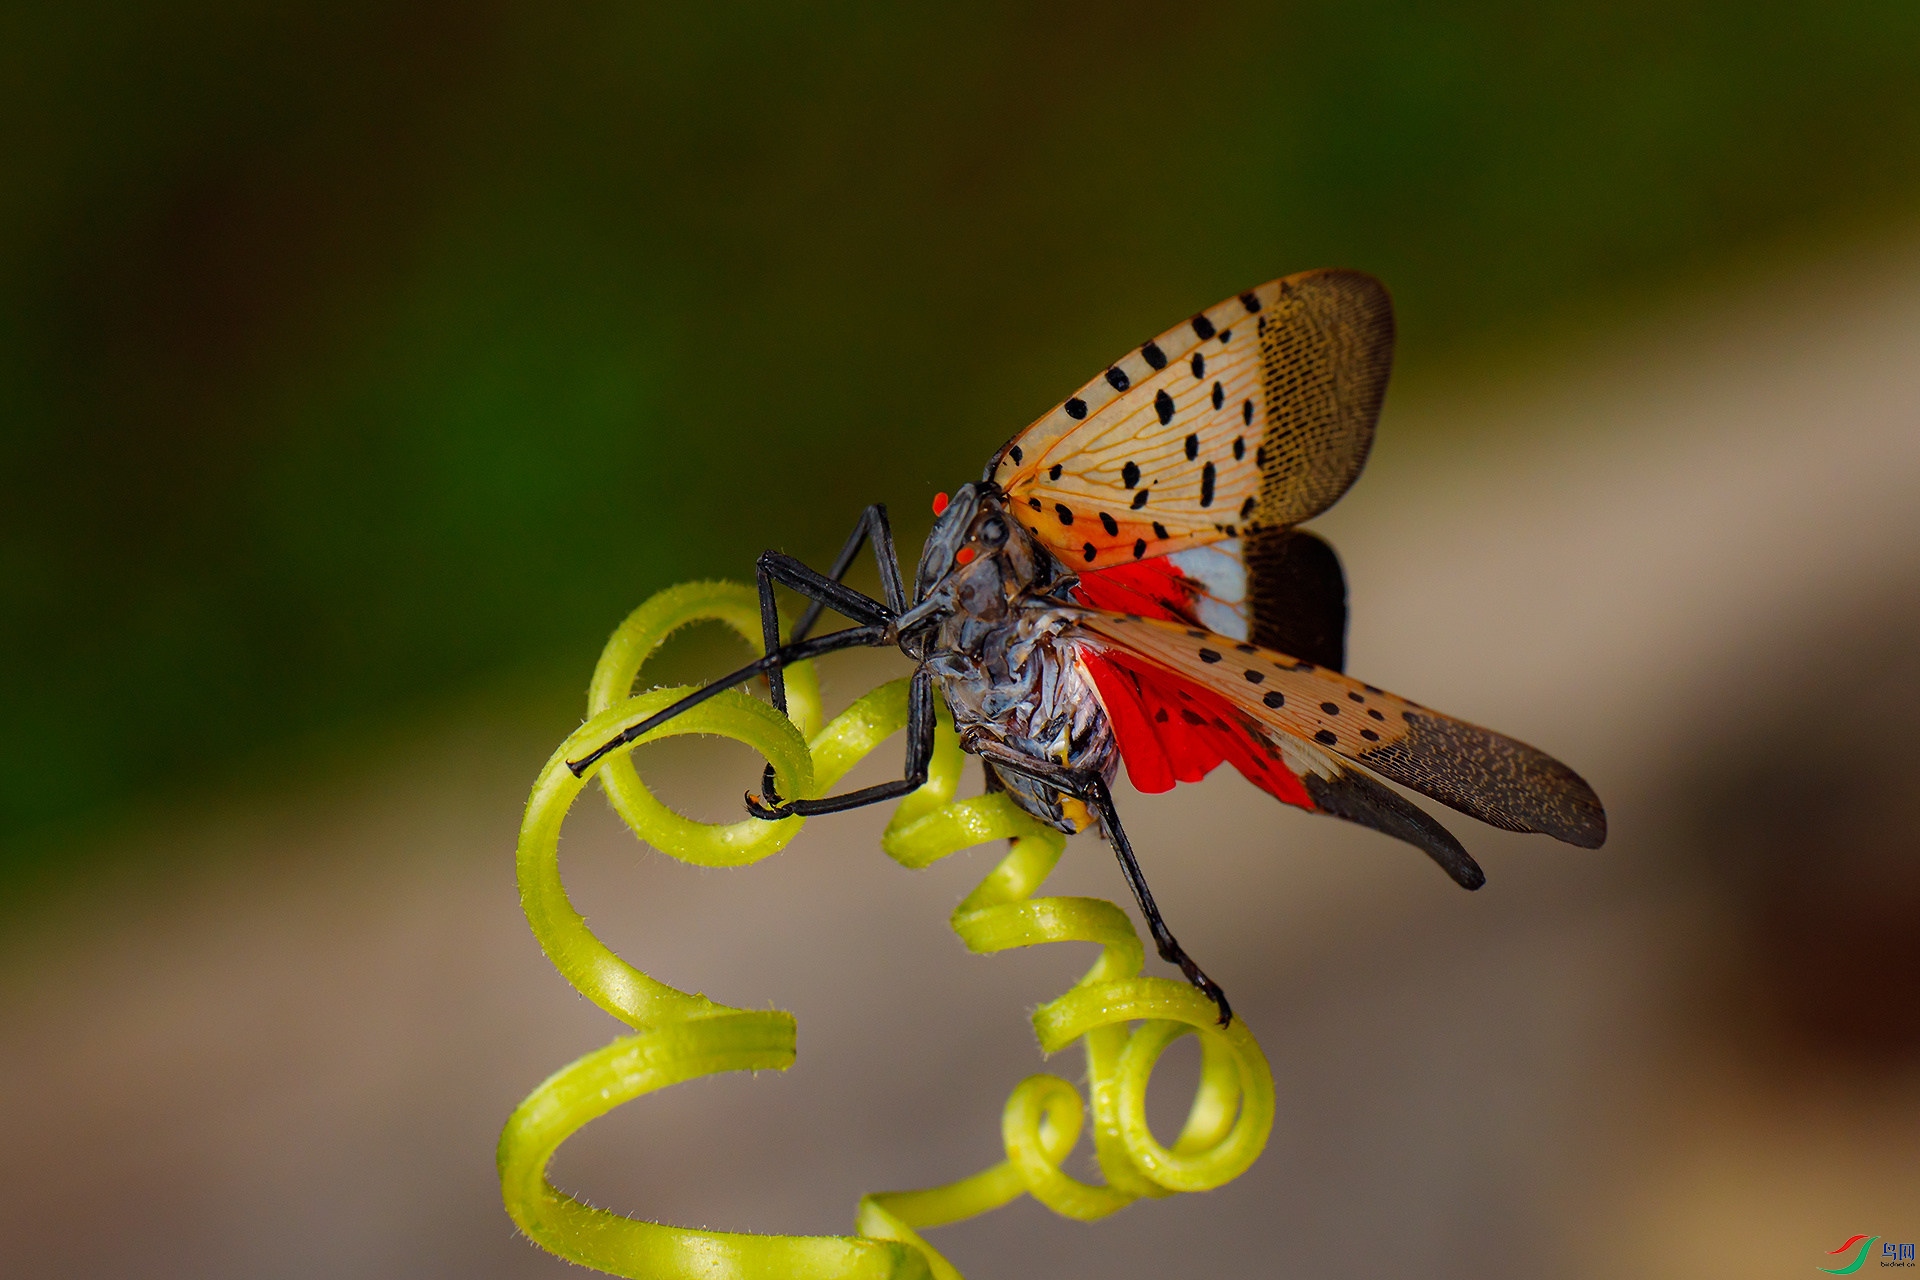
column 1125, row 585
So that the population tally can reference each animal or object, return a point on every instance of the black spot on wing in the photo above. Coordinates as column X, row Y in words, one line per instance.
column 1108, row 523
column 1130, row 475
column 1202, row 327
column 1163, row 406
column 1117, row 378
column 1076, row 409
column 1155, row 357
column 1199, row 365
column 1139, row 499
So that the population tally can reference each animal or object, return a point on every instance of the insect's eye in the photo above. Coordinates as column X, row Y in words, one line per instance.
column 993, row 531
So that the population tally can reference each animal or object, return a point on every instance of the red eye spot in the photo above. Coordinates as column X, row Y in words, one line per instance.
column 963, row 556
column 939, row 503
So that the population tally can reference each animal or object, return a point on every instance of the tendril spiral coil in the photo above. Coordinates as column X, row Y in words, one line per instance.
column 1126, row 1021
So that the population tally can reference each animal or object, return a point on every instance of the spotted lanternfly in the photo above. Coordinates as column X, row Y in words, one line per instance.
column 1126, row 585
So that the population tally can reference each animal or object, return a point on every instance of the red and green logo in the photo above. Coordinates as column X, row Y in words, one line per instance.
column 1862, row 1243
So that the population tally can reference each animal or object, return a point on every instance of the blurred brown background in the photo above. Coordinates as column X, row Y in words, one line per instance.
column 361, row 367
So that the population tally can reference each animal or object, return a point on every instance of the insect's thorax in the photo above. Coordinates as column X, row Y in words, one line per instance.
column 1007, row 660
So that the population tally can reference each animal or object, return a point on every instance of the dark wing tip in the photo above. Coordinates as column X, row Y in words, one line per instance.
column 1492, row 777
column 1588, row 828
column 1358, row 798
column 1564, row 807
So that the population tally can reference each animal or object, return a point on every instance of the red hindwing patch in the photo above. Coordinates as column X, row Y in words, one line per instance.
column 1150, row 588
column 1172, row 731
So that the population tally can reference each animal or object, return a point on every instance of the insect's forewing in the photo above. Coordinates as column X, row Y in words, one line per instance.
column 1481, row 773
column 1170, row 729
column 1255, row 414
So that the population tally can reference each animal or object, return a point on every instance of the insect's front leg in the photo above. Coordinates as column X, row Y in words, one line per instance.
column 777, row 568
column 920, row 727
column 823, row 593
column 872, row 523
column 1092, row 790
column 771, row 662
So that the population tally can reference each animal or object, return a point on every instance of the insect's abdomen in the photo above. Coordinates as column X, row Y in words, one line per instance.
column 1026, row 697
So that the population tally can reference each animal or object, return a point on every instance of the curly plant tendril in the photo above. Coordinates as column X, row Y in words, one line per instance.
column 1126, row 1021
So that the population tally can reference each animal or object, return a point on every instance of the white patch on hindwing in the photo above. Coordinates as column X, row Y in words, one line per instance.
column 1222, row 575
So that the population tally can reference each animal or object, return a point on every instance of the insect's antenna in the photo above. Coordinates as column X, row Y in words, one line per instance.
column 851, row 638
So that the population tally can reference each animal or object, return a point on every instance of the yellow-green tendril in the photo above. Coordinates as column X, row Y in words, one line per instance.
column 1126, row 1021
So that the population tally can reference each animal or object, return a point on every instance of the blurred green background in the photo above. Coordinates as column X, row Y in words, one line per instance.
column 359, row 359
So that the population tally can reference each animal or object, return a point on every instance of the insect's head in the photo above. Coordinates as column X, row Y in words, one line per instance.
column 976, row 560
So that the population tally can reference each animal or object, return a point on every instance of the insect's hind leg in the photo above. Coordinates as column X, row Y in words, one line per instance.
column 1093, row 789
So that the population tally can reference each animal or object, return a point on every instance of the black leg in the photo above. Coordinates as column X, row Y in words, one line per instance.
column 788, row 572
column 851, row 638
column 1095, row 793
column 1092, row 789
column 920, row 725
column 872, row 523
column 822, row 592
